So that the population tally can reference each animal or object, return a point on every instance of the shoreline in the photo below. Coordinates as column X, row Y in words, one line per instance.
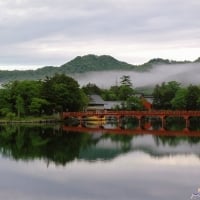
column 30, row 121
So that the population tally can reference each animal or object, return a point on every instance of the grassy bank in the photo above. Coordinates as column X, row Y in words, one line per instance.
column 31, row 119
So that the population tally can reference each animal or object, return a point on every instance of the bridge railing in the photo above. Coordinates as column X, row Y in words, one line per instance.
column 133, row 113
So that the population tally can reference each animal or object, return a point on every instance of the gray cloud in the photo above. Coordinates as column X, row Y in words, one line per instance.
column 123, row 28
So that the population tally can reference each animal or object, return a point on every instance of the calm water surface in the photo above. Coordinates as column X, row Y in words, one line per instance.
column 48, row 163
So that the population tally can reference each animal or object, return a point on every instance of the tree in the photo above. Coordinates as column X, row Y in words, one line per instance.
column 38, row 105
column 10, row 116
column 20, row 105
column 111, row 94
column 63, row 93
column 192, row 97
column 21, row 94
column 179, row 101
column 125, row 89
column 125, row 92
column 134, row 103
column 126, row 81
column 5, row 106
column 164, row 93
column 91, row 88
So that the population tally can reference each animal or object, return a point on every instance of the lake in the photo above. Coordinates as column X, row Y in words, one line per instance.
column 48, row 162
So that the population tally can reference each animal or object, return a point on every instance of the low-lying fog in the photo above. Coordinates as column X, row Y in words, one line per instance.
column 183, row 73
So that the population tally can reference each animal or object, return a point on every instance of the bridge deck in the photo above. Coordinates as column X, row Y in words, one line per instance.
column 152, row 113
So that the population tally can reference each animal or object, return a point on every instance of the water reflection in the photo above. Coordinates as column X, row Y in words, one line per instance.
column 61, row 146
column 46, row 162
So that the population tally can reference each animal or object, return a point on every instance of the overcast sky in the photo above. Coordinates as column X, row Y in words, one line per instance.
column 36, row 33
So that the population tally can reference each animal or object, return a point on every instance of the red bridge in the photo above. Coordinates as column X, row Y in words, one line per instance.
column 131, row 132
column 162, row 114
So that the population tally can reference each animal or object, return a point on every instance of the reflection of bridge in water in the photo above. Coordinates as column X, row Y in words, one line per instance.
column 186, row 115
column 131, row 131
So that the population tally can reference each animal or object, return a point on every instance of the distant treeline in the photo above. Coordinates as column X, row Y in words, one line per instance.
column 166, row 96
column 63, row 93
column 29, row 97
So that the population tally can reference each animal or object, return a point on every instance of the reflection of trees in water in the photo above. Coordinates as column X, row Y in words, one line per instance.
column 155, row 123
column 55, row 145
column 175, row 141
column 175, row 123
column 125, row 141
column 41, row 142
column 169, row 140
column 129, row 123
column 195, row 123
column 171, row 123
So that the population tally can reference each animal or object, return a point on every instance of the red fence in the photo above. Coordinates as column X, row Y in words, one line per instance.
column 137, row 114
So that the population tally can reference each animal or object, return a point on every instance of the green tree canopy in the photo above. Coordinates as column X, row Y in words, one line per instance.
column 164, row 93
column 38, row 105
column 126, row 88
column 58, row 93
column 192, row 98
column 17, row 96
column 63, row 93
column 179, row 101
column 91, row 88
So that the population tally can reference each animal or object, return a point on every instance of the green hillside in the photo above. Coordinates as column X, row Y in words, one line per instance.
column 197, row 60
column 83, row 64
column 95, row 63
column 78, row 65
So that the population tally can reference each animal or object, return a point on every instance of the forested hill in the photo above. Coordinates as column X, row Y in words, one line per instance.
column 83, row 64
column 78, row 65
column 95, row 63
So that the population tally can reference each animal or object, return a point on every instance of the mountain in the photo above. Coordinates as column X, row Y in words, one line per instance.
column 78, row 65
column 82, row 64
column 159, row 61
column 197, row 60
column 95, row 63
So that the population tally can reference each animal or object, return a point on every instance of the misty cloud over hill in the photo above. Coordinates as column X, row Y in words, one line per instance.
column 106, row 71
column 183, row 73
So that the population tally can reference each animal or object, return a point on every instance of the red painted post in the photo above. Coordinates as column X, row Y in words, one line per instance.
column 187, row 123
column 163, row 122
column 139, row 122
